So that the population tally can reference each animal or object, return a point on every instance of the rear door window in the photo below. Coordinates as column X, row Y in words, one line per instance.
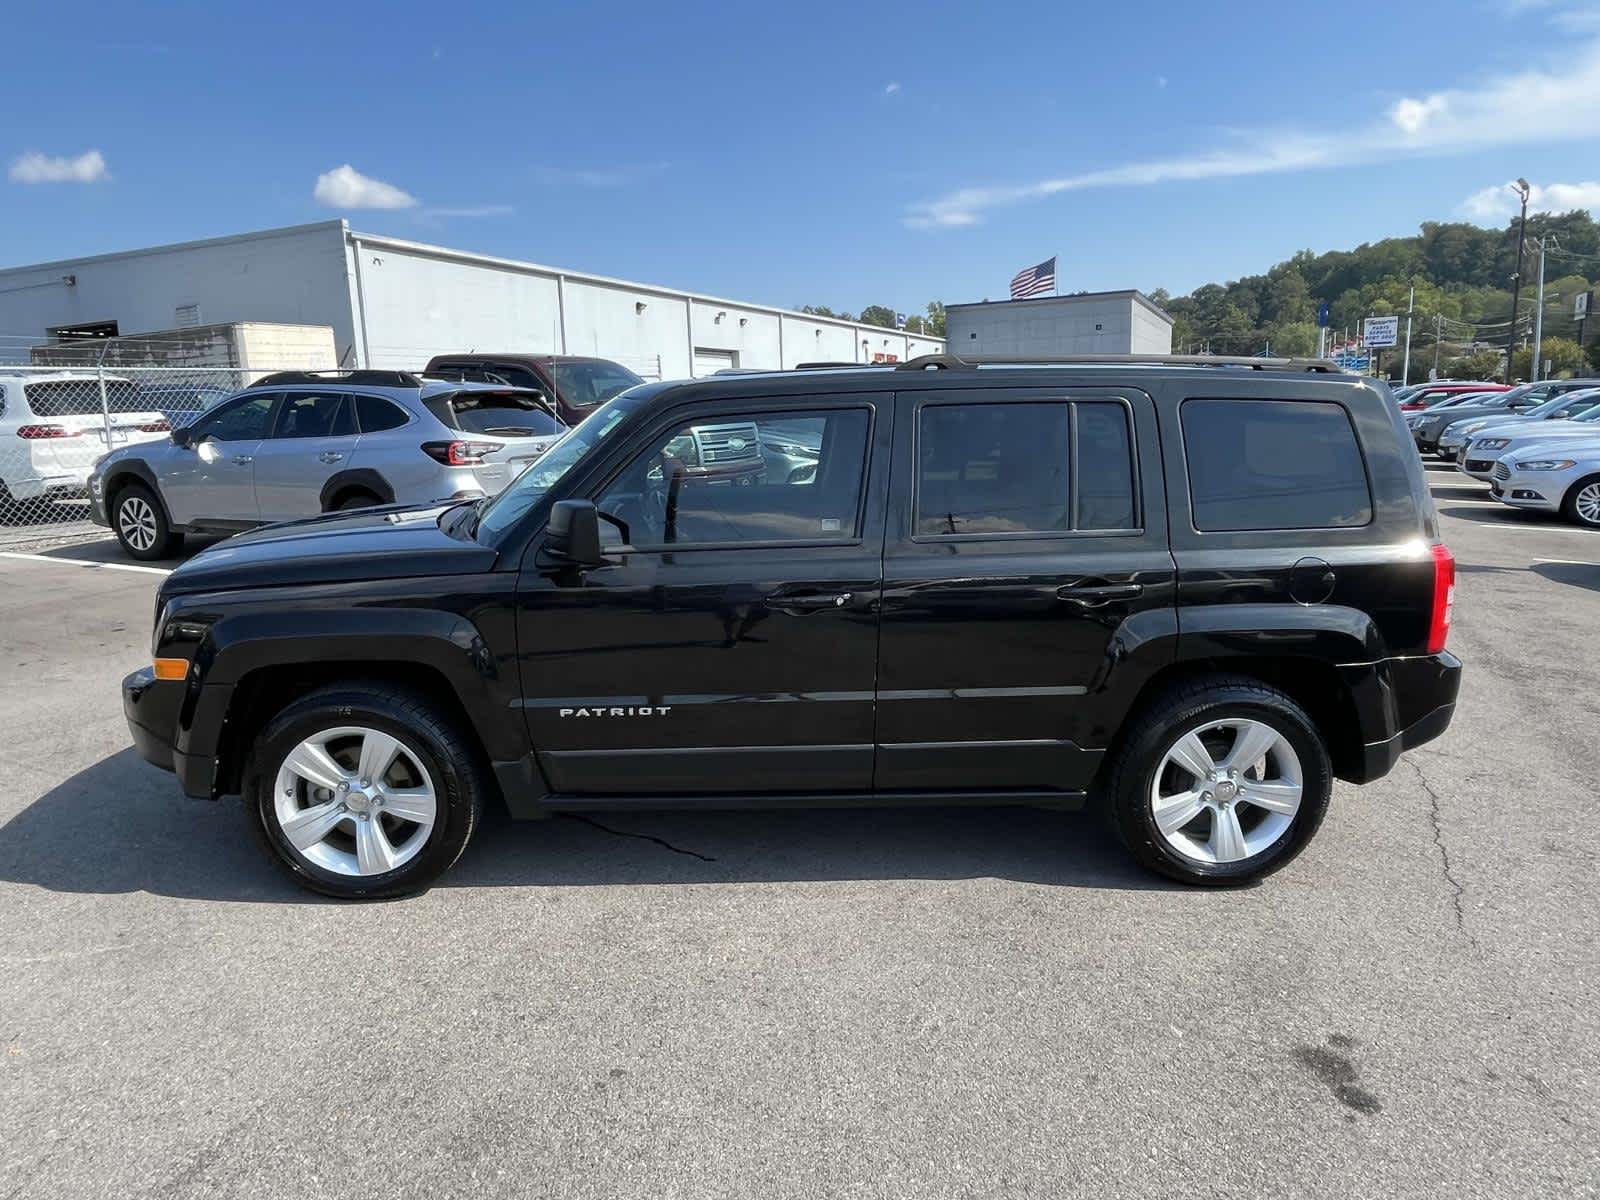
column 1273, row 464
column 310, row 415
column 1029, row 467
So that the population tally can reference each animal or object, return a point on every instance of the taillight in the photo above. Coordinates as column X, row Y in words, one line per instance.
column 161, row 426
column 1444, row 597
column 459, row 454
column 38, row 432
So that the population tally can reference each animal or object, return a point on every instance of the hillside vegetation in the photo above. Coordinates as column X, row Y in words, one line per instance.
column 1462, row 274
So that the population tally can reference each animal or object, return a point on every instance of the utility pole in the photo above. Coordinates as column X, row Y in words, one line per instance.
column 1438, row 322
column 1411, row 303
column 1523, row 190
column 1538, row 313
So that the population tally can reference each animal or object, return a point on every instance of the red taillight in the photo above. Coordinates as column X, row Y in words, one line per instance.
column 459, row 454
column 36, row 433
column 1444, row 597
column 161, row 426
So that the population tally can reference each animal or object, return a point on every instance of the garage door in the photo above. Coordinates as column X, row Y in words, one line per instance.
column 709, row 362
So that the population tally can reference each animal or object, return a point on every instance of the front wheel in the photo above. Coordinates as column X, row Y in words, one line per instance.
column 364, row 791
column 1221, row 781
column 141, row 524
column 1582, row 503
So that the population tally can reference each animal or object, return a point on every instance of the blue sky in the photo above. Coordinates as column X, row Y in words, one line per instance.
column 800, row 153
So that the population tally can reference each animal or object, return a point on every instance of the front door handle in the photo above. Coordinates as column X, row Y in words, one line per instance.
column 331, row 456
column 1092, row 594
column 241, row 460
column 809, row 603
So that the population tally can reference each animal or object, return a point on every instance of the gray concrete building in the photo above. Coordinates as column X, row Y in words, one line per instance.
column 1052, row 326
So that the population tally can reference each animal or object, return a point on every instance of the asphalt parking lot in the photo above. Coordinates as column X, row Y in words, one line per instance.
column 895, row 1003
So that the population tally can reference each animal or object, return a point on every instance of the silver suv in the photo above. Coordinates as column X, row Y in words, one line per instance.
column 298, row 444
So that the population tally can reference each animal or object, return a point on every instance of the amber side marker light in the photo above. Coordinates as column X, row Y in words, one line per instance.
column 172, row 668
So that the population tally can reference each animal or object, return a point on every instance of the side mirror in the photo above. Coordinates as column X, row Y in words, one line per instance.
column 573, row 535
column 183, row 437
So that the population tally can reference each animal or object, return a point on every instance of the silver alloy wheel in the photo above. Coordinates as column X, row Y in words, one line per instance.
column 355, row 801
column 136, row 521
column 1226, row 790
column 1587, row 504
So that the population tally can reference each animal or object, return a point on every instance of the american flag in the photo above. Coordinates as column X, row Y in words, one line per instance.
column 1034, row 281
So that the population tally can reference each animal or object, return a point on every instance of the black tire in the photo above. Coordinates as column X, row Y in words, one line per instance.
column 163, row 542
column 352, row 500
column 1569, row 503
column 1131, row 775
column 424, row 730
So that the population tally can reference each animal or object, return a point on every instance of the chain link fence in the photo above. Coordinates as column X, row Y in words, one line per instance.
column 56, row 421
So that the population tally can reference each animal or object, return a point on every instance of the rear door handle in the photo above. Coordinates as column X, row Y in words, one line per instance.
column 808, row 603
column 241, row 460
column 1098, row 593
column 331, row 456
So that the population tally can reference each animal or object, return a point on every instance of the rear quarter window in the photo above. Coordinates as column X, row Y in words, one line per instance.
column 1273, row 464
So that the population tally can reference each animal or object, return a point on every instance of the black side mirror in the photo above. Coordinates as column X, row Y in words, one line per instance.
column 573, row 535
column 183, row 437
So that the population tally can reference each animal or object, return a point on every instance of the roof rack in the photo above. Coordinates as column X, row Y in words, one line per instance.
column 371, row 378
column 951, row 362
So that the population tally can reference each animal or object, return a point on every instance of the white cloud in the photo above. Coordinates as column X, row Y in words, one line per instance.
column 33, row 167
column 1499, row 202
column 600, row 177
column 346, row 187
column 1161, row 81
column 891, row 87
column 1558, row 102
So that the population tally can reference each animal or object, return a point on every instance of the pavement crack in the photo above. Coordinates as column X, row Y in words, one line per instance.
column 643, row 837
column 1457, row 891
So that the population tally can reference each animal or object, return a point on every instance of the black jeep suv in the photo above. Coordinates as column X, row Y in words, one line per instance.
column 1194, row 590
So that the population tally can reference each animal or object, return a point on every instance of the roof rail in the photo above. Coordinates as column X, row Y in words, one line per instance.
column 951, row 362
column 371, row 378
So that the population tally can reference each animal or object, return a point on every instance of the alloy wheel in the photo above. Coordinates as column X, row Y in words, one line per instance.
column 136, row 521
column 355, row 801
column 1226, row 790
column 1587, row 504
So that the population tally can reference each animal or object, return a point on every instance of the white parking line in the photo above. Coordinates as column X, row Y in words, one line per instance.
column 1564, row 562
column 78, row 562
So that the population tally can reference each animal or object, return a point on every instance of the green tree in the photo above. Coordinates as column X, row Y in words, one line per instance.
column 877, row 314
column 1592, row 353
column 1484, row 365
column 935, row 320
column 1563, row 355
column 822, row 310
column 1292, row 339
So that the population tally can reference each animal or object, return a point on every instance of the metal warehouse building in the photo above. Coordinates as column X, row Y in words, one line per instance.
column 394, row 303
column 1048, row 326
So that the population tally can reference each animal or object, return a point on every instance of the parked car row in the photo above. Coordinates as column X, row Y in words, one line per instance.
column 299, row 444
column 1537, row 446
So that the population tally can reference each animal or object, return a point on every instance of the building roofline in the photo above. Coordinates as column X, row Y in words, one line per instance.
column 173, row 247
column 654, row 289
column 1129, row 293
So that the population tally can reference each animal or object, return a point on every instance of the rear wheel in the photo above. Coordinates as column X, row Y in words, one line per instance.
column 353, row 500
column 141, row 525
column 364, row 791
column 1220, row 781
column 1582, row 503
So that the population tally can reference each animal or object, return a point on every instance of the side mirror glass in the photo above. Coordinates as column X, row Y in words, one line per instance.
column 573, row 535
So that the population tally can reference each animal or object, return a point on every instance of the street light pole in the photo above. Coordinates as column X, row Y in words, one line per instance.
column 1538, row 314
column 1405, row 371
column 1522, row 188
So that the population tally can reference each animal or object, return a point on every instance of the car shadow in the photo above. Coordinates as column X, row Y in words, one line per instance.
column 122, row 826
column 1583, row 575
column 108, row 550
column 1506, row 515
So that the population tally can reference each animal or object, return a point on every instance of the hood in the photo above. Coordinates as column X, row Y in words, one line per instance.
column 392, row 542
column 1559, row 431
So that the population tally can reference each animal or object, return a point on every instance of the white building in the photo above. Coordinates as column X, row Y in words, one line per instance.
column 1052, row 326
column 393, row 303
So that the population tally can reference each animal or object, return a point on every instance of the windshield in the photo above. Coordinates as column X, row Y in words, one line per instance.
column 590, row 384
column 511, row 414
column 530, row 487
column 1562, row 407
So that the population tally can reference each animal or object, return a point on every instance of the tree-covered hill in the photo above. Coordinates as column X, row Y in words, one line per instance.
column 1462, row 274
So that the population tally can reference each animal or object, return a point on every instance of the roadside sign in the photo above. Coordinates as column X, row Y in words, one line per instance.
column 1377, row 332
column 1580, row 307
column 1322, row 315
